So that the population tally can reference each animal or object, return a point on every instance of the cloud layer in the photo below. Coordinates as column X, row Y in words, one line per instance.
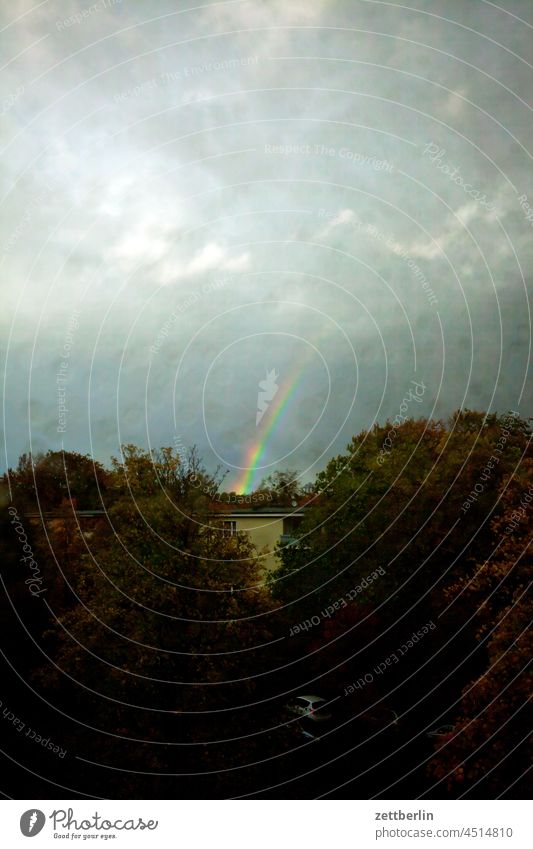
column 329, row 190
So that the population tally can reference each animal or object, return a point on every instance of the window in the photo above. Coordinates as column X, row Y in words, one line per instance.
column 229, row 528
column 290, row 524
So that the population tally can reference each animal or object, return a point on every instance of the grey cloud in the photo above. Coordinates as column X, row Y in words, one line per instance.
column 250, row 153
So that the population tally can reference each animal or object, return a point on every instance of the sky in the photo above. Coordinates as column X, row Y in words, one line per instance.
column 298, row 209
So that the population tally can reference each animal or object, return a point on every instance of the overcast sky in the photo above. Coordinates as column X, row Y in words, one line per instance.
column 338, row 192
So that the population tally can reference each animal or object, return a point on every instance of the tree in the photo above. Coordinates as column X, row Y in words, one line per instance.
column 151, row 472
column 401, row 511
column 284, row 486
column 488, row 749
column 46, row 481
column 166, row 614
column 387, row 535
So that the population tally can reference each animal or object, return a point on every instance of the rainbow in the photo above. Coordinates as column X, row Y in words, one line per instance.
column 255, row 453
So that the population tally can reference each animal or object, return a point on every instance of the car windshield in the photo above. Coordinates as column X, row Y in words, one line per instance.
column 319, row 711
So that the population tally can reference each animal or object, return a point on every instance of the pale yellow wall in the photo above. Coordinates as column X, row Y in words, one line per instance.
column 264, row 531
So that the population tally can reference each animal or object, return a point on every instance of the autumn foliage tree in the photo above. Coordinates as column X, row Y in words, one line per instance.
column 490, row 749
column 46, row 481
column 422, row 511
column 160, row 618
column 166, row 611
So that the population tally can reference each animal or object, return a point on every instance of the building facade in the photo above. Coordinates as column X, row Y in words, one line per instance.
column 266, row 527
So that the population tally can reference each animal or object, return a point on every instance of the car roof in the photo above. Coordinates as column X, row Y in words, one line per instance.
column 311, row 698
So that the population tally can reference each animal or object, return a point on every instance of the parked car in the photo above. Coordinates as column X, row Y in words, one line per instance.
column 441, row 731
column 380, row 724
column 381, row 717
column 313, row 714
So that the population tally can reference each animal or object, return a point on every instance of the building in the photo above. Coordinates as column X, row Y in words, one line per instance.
column 266, row 526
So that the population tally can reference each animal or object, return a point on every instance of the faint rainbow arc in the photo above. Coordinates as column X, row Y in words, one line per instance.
column 256, row 451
